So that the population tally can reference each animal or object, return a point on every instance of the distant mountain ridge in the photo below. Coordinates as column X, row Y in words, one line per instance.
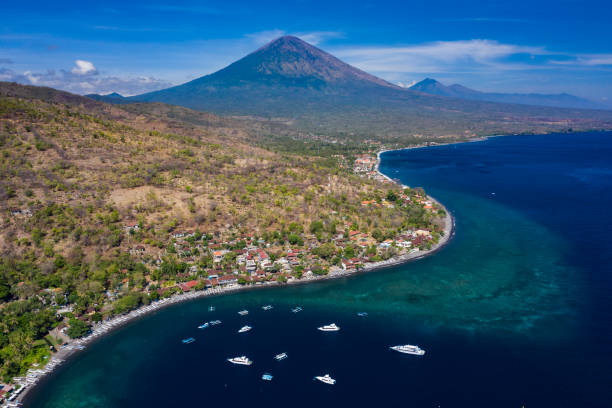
column 433, row 87
column 291, row 82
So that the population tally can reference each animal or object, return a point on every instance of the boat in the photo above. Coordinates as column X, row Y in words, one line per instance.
column 362, row 314
column 211, row 309
column 215, row 322
column 296, row 309
column 188, row 340
column 267, row 307
column 281, row 356
column 267, row 377
column 244, row 329
column 203, row 326
column 243, row 312
column 242, row 360
column 409, row 349
column 329, row 327
column 325, row 379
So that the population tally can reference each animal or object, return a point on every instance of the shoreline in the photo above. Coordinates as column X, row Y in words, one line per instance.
column 105, row 327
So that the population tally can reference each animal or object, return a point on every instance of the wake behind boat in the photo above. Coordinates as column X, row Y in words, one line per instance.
column 329, row 327
column 242, row 360
column 188, row 340
column 325, row 379
column 409, row 349
column 244, row 329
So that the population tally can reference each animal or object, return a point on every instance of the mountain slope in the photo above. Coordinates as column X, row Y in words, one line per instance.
column 563, row 100
column 297, row 83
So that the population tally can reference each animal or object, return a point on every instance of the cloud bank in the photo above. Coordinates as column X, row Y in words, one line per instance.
column 85, row 78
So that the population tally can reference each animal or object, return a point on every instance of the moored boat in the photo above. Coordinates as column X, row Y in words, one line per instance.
column 203, row 326
column 244, row 329
column 325, row 379
column 243, row 312
column 329, row 327
column 281, row 356
column 409, row 349
column 267, row 307
column 296, row 309
column 242, row 360
column 267, row 377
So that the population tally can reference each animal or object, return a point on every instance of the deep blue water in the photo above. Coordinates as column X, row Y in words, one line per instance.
column 515, row 311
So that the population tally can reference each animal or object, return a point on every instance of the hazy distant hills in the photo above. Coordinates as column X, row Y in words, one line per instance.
column 292, row 81
column 110, row 98
column 563, row 100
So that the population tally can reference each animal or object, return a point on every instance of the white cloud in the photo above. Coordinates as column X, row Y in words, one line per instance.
column 312, row 37
column 86, row 81
column 433, row 57
column 406, row 84
column 83, row 67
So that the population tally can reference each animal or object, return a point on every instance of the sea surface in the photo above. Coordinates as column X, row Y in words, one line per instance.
column 516, row 310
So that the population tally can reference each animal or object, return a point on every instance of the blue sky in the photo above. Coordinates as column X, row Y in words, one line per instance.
column 133, row 47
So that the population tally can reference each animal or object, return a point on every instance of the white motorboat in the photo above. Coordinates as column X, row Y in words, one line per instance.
column 409, row 349
column 329, row 327
column 326, row 379
column 244, row 329
column 281, row 356
column 242, row 360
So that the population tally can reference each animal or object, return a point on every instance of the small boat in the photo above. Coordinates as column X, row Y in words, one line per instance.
column 203, row 326
column 362, row 314
column 281, row 356
column 188, row 340
column 243, row 312
column 409, row 349
column 296, row 309
column 211, row 309
column 325, row 379
column 329, row 327
column 242, row 360
column 244, row 329
column 215, row 322
column 267, row 307
column 267, row 377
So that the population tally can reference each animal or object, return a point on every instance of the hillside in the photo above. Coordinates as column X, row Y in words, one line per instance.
column 106, row 207
column 433, row 87
column 296, row 83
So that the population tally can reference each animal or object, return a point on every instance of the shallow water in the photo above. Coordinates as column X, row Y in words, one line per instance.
column 514, row 311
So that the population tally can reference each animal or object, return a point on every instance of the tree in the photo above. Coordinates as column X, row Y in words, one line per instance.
column 391, row 196
column 5, row 289
column 78, row 328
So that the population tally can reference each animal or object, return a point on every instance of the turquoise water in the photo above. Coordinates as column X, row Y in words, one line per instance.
column 514, row 311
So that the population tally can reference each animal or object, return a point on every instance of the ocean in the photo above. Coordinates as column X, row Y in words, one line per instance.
column 514, row 312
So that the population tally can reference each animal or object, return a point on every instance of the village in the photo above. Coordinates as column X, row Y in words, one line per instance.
column 195, row 263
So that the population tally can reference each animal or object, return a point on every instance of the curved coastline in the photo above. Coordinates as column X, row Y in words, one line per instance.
column 110, row 325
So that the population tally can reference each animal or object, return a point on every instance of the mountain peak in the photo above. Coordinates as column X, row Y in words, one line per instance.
column 290, row 61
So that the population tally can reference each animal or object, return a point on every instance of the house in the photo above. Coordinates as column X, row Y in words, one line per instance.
column 228, row 279
column 218, row 255
column 251, row 266
column 131, row 226
column 187, row 286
